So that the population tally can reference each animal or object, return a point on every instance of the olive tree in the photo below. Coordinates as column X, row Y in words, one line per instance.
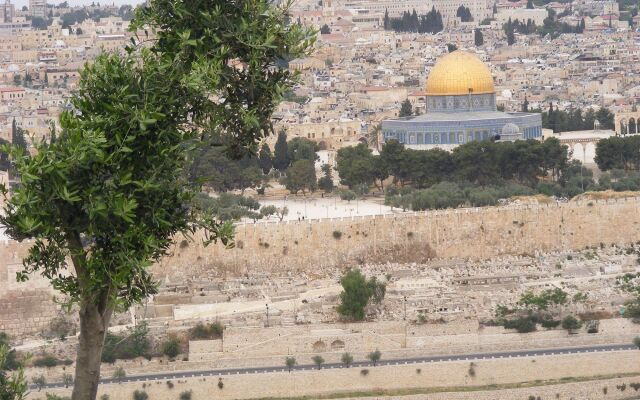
column 105, row 201
column 13, row 385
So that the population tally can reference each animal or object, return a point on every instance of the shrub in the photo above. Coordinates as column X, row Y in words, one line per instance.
column 67, row 379
column 47, row 361
column 570, row 323
column 135, row 343
column 290, row 362
column 186, row 395
column 472, row 370
column 171, row 347
column 318, row 361
column 104, row 397
column 347, row 359
column 39, row 381
column 119, row 374
column 140, row 395
column 522, row 325
column 347, row 195
column 169, row 384
column 636, row 341
column 61, row 327
column 550, row 323
column 364, row 372
column 337, row 235
column 220, row 384
column 374, row 357
column 206, row 332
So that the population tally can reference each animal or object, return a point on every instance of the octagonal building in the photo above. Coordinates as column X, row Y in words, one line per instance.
column 461, row 107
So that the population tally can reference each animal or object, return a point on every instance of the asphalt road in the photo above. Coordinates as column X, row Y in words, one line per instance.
column 401, row 361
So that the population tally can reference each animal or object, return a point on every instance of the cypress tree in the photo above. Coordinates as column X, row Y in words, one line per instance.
column 478, row 37
column 17, row 135
column 264, row 159
column 281, row 160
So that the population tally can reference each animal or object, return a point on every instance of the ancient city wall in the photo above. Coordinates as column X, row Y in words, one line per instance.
column 316, row 247
column 478, row 233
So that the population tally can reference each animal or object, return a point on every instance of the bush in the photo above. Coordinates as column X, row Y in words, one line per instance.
column 374, row 357
column 140, row 395
column 550, row 323
column 67, row 379
column 186, row 395
column 570, row 323
column 48, row 361
column 61, row 327
column 39, row 381
column 318, row 361
column 171, row 347
column 337, row 235
column 522, row 324
column 347, row 195
column 128, row 346
column 636, row 341
column 169, row 384
column 206, row 332
column 355, row 295
column 364, row 372
column 290, row 362
column 11, row 359
column 119, row 374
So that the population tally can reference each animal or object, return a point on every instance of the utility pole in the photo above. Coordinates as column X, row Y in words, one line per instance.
column 405, row 308
column 267, row 306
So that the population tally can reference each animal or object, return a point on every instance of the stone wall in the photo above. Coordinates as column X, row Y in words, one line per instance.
column 477, row 233
column 317, row 247
column 25, row 308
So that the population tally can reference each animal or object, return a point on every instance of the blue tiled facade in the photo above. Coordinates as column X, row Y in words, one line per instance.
column 454, row 120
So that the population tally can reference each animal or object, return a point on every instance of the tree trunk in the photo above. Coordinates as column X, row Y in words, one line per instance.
column 94, row 321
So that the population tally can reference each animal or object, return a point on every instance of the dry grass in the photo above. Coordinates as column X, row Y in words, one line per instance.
column 534, row 199
column 605, row 195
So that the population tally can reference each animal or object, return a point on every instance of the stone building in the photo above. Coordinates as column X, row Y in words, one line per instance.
column 461, row 107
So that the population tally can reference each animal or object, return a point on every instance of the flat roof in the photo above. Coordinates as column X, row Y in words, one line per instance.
column 462, row 116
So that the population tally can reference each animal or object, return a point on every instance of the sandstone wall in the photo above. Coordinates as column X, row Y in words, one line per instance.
column 313, row 247
column 477, row 233
column 25, row 308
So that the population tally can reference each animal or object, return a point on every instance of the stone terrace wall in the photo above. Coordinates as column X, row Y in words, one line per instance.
column 477, row 233
column 25, row 308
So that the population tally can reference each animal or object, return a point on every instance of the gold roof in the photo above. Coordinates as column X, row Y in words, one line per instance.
column 456, row 73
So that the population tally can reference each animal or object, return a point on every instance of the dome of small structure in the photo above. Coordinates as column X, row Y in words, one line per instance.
column 459, row 73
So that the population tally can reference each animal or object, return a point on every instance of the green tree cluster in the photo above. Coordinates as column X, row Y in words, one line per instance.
column 13, row 385
column 212, row 167
column 478, row 162
column 325, row 183
column 576, row 120
column 357, row 291
column 622, row 153
column 464, row 13
column 406, row 110
column 412, row 22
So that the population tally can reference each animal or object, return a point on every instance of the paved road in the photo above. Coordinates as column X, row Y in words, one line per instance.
column 401, row 361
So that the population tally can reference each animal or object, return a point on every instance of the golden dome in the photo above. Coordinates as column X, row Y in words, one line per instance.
column 456, row 73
